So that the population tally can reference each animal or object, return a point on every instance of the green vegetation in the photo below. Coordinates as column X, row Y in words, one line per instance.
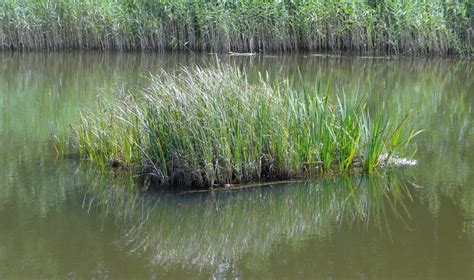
column 414, row 27
column 201, row 128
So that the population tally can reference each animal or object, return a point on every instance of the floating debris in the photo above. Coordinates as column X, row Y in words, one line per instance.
column 387, row 161
column 242, row 54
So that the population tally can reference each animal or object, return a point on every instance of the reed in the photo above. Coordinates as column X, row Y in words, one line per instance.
column 209, row 127
column 416, row 27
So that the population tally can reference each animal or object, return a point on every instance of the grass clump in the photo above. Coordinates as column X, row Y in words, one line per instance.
column 206, row 127
column 416, row 27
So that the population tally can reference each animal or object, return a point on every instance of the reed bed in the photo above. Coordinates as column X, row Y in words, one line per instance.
column 416, row 27
column 201, row 128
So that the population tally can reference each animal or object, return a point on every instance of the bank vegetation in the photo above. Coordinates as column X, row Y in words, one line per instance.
column 413, row 27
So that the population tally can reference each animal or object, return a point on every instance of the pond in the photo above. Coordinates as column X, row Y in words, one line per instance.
column 61, row 219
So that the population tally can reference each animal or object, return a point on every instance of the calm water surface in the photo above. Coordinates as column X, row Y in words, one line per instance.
column 60, row 219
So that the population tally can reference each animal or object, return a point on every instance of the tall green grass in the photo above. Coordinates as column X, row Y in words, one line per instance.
column 201, row 128
column 364, row 26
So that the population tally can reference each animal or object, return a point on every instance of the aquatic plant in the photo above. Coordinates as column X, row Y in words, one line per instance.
column 387, row 26
column 205, row 127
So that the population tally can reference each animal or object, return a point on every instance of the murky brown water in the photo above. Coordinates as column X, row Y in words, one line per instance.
column 62, row 220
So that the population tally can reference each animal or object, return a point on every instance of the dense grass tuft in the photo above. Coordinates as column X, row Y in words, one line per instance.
column 207, row 127
column 414, row 27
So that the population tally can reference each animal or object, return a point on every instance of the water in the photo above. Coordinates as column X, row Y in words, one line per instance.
column 60, row 219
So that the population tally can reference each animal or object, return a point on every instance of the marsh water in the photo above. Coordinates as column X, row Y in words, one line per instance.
column 60, row 218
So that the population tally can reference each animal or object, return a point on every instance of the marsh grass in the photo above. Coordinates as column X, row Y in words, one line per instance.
column 199, row 128
column 416, row 27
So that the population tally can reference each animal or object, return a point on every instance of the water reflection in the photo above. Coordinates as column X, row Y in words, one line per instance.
column 59, row 219
column 47, row 232
column 204, row 230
